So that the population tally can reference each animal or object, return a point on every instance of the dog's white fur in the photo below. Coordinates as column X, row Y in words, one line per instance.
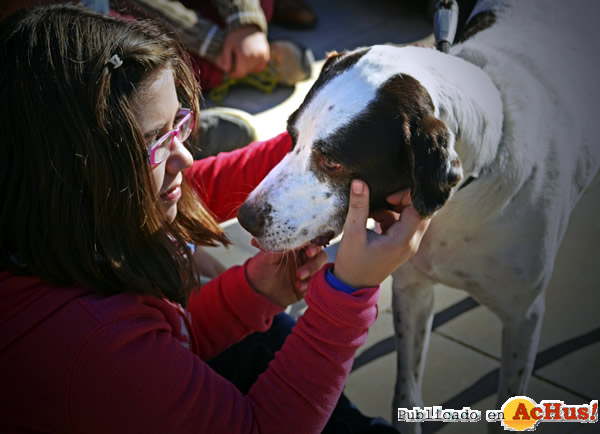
column 520, row 98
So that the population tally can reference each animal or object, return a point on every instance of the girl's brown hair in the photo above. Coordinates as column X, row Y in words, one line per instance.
column 77, row 204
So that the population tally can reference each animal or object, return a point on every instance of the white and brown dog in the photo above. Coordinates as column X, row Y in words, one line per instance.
column 497, row 141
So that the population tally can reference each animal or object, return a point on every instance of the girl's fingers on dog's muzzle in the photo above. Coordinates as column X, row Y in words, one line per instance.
column 306, row 254
column 311, row 251
column 300, row 289
column 311, row 267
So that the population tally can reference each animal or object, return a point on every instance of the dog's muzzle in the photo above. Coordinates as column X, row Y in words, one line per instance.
column 253, row 218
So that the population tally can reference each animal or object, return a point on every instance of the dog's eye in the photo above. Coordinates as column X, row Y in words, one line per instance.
column 330, row 164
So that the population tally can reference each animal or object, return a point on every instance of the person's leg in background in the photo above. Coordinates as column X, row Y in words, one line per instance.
column 290, row 62
column 208, row 73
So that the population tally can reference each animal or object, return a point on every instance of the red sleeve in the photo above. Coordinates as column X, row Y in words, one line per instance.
column 234, row 309
column 300, row 389
column 223, row 182
column 134, row 376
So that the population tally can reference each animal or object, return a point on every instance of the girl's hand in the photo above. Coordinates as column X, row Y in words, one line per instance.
column 283, row 277
column 364, row 259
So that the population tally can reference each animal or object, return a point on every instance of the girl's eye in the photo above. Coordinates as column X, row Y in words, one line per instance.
column 151, row 139
column 330, row 164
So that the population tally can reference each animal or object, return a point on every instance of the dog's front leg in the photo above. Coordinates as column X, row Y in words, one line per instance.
column 520, row 338
column 521, row 327
column 412, row 305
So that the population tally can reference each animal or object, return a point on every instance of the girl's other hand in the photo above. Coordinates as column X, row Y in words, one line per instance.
column 283, row 277
column 364, row 258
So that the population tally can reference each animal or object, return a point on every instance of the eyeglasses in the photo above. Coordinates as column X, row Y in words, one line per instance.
column 161, row 150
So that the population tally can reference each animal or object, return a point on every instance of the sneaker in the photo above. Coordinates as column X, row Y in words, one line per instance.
column 290, row 62
column 223, row 129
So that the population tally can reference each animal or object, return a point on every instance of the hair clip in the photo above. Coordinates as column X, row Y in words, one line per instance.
column 116, row 61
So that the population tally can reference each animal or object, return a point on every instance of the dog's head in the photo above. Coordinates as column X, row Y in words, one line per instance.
column 361, row 119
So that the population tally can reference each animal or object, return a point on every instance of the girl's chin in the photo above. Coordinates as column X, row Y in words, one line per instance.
column 171, row 212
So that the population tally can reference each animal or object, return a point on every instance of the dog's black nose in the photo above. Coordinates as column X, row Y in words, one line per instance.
column 251, row 219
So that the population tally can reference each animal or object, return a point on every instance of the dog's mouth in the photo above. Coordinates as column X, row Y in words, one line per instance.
column 323, row 240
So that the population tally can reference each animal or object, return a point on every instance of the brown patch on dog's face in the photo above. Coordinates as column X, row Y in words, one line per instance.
column 397, row 143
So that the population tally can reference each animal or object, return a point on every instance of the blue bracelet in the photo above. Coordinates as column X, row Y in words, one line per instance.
column 337, row 283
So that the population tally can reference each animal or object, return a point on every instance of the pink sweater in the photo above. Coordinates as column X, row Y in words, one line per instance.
column 72, row 361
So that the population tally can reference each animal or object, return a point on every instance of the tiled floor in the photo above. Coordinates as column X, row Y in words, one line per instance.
column 462, row 362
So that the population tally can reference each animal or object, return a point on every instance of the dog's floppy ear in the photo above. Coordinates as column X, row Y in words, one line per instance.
column 343, row 60
column 430, row 166
column 330, row 58
column 331, row 55
column 435, row 167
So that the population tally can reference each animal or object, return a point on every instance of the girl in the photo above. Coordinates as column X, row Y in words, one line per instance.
column 100, row 330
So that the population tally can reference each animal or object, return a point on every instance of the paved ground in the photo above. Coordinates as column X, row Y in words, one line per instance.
column 462, row 364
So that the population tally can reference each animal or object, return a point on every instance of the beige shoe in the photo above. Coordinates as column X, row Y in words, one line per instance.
column 290, row 62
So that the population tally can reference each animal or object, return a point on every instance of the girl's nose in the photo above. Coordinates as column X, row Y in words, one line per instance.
column 180, row 158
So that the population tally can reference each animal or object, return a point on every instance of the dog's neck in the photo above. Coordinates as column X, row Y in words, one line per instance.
column 467, row 100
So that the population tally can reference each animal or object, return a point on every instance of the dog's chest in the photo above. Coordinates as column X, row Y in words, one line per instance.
column 480, row 257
